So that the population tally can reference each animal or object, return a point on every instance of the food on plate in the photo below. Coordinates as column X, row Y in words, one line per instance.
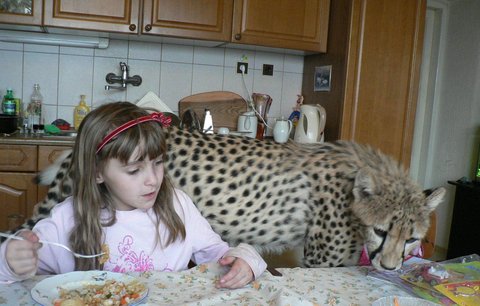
column 112, row 292
column 105, row 256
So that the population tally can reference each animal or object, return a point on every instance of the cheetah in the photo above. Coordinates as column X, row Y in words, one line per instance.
column 334, row 199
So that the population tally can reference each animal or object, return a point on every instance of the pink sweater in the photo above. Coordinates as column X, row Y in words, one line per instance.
column 131, row 241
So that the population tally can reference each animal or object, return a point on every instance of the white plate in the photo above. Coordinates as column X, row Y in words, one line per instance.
column 240, row 133
column 402, row 301
column 46, row 291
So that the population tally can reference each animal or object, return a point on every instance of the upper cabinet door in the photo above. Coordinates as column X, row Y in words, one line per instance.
column 104, row 15
column 24, row 12
column 199, row 19
column 291, row 24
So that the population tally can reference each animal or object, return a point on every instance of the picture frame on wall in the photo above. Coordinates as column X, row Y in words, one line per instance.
column 322, row 78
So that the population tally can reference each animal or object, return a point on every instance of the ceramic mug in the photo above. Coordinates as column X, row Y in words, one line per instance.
column 247, row 122
column 281, row 130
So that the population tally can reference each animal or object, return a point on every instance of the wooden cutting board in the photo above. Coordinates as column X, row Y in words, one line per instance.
column 225, row 107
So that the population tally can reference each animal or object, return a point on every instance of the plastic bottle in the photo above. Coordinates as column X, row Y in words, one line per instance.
column 81, row 110
column 9, row 107
column 35, row 119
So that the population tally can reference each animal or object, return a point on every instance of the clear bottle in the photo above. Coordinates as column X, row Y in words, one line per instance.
column 9, row 107
column 81, row 110
column 35, row 119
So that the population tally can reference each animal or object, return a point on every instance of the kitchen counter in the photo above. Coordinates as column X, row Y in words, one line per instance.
column 32, row 139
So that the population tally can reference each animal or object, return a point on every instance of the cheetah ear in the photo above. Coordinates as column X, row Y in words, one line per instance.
column 434, row 197
column 364, row 185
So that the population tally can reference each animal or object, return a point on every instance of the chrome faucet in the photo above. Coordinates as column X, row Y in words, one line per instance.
column 123, row 79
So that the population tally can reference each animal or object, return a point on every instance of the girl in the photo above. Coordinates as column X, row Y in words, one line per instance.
column 123, row 199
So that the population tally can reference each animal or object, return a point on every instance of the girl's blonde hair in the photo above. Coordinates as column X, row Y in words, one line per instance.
column 90, row 198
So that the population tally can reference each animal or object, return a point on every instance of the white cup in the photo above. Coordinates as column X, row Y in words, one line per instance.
column 281, row 130
column 223, row 131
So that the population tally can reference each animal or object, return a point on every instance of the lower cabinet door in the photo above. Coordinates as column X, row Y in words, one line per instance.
column 18, row 195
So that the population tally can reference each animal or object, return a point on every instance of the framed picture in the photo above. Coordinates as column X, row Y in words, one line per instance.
column 323, row 77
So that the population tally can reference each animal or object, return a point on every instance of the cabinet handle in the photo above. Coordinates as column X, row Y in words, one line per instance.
column 238, row 36
column 132, row 27
column 148, row 27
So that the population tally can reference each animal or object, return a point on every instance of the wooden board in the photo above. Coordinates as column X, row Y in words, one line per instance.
column 224, row 106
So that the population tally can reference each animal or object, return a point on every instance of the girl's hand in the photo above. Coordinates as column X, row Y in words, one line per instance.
column 239, row 275
column 22, row 255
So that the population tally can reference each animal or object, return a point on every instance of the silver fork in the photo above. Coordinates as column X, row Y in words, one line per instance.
column 55, row 244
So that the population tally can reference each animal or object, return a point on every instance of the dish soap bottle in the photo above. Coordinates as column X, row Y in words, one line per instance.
column 81, row 110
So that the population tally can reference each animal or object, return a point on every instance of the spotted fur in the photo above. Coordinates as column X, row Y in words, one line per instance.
column 331, row 198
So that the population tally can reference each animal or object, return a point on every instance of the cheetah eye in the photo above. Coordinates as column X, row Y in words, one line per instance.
column 379, row 232
column 411, row 240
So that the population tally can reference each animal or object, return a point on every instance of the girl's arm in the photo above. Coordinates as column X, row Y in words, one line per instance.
column 250, row 256
column 209, row 247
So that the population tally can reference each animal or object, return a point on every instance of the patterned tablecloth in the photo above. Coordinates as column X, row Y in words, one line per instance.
column 297, row 286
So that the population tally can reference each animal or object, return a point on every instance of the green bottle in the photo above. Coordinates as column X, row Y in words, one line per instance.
column 9, row 107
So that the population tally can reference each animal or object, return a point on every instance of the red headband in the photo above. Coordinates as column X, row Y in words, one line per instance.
column 159, row 117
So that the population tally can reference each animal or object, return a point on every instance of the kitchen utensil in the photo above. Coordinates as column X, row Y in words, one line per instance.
column 282, row 130
column 55, row 244
column 311, row 124
column 190, row 121
column 8, row 123
column 247, row 122
column 262, row 104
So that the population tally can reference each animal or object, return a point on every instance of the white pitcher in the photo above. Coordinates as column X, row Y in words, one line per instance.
column 311, row 125
column 282, row 130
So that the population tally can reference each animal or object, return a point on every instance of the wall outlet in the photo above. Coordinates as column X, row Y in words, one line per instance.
column 267, row 69
column 242, row 64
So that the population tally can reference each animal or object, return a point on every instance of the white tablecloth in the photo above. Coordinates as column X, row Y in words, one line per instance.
column 297, row 286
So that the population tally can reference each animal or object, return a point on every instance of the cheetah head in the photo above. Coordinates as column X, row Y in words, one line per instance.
column 394, row 216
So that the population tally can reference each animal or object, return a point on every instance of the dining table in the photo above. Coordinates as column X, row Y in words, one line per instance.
column 282, row 286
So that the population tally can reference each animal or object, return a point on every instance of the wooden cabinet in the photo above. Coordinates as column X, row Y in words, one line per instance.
column 18, row 192
column 200, row 19
column 375, row 50
column 299, row 24
column 17, row 196
column 47, row 155
column 106, row 15
column 23, row 13
column 289, row 24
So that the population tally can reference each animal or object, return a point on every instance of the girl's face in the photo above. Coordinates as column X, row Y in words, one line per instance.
column 135, row 184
